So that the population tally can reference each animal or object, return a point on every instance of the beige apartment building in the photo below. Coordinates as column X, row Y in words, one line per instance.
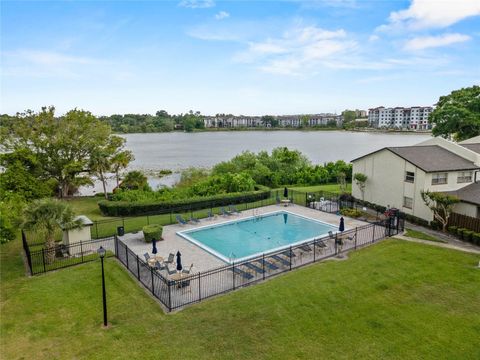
column 397, row 175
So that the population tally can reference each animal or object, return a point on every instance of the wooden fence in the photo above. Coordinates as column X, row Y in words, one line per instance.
column 463, row 221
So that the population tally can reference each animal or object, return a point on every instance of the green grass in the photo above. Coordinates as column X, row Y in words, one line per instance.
column 334, row 188
column 394, row 300
column 421, row 235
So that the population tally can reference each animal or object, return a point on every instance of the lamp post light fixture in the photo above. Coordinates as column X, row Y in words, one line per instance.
column 101, row 252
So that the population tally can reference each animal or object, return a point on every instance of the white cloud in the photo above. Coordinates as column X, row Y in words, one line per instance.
column 197, row 4
column 374, row 38
column 50, row 58
column 423, row 14
column 425, row 42
column 222, row 15
column 299, row 49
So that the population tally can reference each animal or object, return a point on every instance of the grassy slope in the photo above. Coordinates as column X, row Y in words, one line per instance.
column 421, row 235
column 392, row 300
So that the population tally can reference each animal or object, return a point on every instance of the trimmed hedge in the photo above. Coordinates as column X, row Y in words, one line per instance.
column 125, row 208
column 151, row 232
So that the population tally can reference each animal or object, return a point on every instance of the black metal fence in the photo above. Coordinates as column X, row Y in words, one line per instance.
column 61, row 256
column 193, row 288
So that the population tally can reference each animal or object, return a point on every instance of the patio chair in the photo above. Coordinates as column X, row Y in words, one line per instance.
column 225, row 212
column 187, row 271
column 281, row 260
column 159, row 266
column 170, row 272
column 305, row 248
column 180, row 220
column 233, row 209
column 171, row 258
column 331, row 235
column 147, row 257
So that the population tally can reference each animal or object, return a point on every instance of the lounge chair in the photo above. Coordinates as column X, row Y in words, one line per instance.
column 254, row 267
column 171, row 258
column 242, row 273
column 225, row 212
column 180, row 220
column 159, row 266
column 281, row 260
column 233, row 209
column 288, row 253
column 147, row 256
column 321, row 244
column 194, row 219
column 305, row 248
column 268, row 264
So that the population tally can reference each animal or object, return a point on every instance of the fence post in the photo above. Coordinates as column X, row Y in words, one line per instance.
column 355, row 238
column 115, row 242
column 43, row 258
column 148, row 220
column 81, row 249
column 263, row 265
column 199, row 288
column 96, row 228
column 314, row 248
column 373, row 233
column 138, row 269
column 153, row 287
column 170, row 217
column 126, row 255
column 123, row 223
column 290, row 257
column 169, row 295
column 336, row 243
column 27, row 252
column 233, row 272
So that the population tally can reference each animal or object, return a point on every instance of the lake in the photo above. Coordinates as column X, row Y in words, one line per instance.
column 177, row 151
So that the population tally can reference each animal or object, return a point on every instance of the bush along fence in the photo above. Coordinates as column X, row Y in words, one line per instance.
column 84, row 251
column 463, row 221
column 193, row 288
column 105, row 228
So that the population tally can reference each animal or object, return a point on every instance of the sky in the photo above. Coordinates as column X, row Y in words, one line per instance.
column 239, row 57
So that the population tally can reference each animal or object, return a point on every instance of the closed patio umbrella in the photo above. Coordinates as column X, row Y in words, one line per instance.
column 285, row 218
column 285, row 192
column 179, row 261
column 342, row 225
column 154, row 246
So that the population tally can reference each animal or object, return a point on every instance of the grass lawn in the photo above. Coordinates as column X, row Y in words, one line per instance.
column 393, row 300
column 421, row 235
column 334, row 188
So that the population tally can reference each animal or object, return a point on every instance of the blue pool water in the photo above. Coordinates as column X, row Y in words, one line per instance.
column 242, row 239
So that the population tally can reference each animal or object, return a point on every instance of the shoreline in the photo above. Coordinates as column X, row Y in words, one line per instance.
column 213, row 130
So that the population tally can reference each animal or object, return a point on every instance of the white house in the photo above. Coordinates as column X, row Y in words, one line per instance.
column 397, row 175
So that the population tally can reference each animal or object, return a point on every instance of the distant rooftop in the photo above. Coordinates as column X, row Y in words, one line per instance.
column 473, row 147
column 469, row 193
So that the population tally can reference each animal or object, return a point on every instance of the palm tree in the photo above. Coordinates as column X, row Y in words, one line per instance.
column 120, row 161
column 48, row 215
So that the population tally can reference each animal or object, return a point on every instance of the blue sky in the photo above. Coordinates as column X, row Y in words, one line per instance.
column 244, row 57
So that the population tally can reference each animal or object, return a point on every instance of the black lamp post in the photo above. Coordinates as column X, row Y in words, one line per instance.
column 101, row 251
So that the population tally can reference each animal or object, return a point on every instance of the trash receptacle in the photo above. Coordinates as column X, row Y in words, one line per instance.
column 120, row 231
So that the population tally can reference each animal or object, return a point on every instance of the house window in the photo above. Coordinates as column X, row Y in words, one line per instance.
column 407, row 202
column 464, row 177
column 439, row 178
column 409, row 176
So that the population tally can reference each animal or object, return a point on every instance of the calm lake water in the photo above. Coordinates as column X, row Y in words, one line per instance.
column 177, row 151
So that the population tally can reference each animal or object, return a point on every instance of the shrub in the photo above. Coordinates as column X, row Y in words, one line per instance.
column 476, row 238
column 452, row 230
column 467, row 235
column 126, row 208
column 460, row 232
column 353, row 213
column 435, row 225
column 153, row 231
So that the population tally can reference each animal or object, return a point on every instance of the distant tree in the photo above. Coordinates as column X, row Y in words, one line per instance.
column 341, row 180
column 120, row 162
column 457, row 114
column 441, row 205
column 304, row 120
column 47, row 215
column 361, row 180
column 269, row 120
column 348, row 116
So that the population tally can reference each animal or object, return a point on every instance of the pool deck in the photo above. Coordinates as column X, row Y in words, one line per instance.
column 201, row 259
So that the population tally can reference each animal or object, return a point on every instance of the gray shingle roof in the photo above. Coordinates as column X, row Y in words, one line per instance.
column 469, row 193
column 473, row 147
column 430, row 158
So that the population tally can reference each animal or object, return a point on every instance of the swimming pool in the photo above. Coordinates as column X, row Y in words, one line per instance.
column 246, row 238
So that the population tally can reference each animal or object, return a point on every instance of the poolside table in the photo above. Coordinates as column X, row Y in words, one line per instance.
column 154, row 259
column 285, row 202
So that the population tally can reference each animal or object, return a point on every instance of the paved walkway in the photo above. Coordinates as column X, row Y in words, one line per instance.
column 451, row 241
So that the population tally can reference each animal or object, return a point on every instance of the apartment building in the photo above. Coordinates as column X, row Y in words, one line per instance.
column 397, row 175
column 293, row 121
column 415, row 118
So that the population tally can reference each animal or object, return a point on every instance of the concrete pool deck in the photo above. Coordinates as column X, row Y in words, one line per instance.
column 203, row 260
